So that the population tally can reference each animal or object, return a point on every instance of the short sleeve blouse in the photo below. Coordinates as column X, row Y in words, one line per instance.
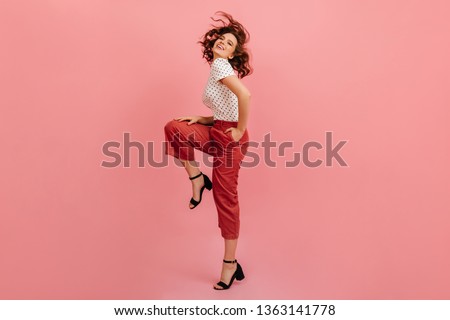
column 217, row 96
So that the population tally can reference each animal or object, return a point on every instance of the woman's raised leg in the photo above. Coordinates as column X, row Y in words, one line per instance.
column 181, row 140
column 197, row 183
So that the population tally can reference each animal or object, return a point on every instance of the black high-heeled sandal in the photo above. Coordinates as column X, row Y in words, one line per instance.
column 238, row 275
column 207, row 185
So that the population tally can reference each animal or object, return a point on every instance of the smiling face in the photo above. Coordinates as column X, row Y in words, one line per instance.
column 224, row 46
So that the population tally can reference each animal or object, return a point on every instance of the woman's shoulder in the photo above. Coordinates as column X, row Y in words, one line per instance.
column 221, row 64
column 221, row 68
column 221, row 61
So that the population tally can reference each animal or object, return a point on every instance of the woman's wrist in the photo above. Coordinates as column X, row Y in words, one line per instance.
column 206, row 120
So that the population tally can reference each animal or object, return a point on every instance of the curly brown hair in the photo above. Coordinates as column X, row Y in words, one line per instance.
column 240, row 60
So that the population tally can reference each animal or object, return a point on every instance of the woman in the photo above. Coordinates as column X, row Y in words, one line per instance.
column 223, row 135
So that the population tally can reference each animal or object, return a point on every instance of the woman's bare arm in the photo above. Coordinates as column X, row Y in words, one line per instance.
column 243, row 95
column 206, row 120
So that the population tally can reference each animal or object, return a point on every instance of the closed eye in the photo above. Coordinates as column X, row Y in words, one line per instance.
column 229, row 41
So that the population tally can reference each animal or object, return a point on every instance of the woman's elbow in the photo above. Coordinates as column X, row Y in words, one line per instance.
column 245, row 95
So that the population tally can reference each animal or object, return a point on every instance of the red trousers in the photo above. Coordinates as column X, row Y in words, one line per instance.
column 182, row 139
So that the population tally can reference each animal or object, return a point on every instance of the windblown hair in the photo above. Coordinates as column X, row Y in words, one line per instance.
column 240, row 61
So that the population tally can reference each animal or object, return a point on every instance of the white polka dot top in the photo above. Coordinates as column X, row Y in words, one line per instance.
column 216, row 96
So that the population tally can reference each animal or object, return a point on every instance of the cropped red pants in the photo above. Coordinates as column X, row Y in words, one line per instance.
column 182, row 139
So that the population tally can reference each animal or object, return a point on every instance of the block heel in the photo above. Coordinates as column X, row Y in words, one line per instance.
column 238, row 275
column 207, row 185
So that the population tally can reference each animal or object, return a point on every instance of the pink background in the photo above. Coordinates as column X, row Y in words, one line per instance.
column 77, row 74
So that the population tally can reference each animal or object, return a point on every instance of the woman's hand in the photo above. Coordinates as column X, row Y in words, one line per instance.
column 191, row 119
column 235, row 132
